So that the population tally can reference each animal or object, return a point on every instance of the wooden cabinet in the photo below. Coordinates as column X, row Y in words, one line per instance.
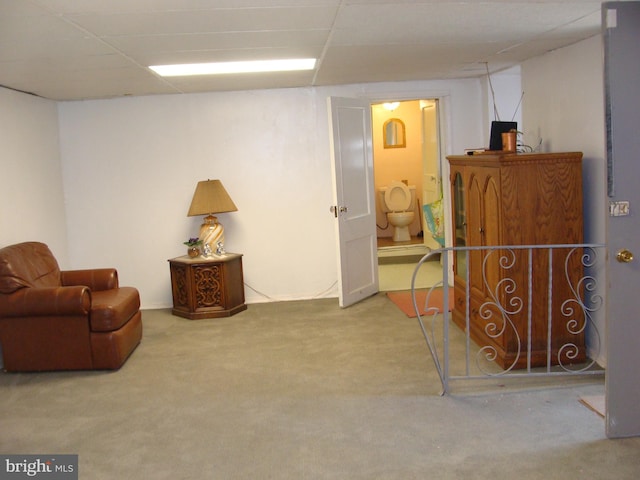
column 207, row 287
column 519, row 199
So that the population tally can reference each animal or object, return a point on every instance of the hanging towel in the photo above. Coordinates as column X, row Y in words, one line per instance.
column 434, row 216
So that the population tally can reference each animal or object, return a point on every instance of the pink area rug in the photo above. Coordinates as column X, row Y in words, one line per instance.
column 404, row 302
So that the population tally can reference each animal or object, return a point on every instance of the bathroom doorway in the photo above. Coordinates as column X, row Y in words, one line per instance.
column 406, row 148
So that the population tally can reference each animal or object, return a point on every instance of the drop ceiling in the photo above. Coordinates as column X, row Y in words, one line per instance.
column 83, row 49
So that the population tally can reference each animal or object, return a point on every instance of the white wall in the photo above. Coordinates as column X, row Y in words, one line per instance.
column 564, row 106
column 503, row 99
column 31, row 195
column 130, row 166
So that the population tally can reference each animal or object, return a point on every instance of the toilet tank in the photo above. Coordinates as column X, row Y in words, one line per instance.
column 383, row 204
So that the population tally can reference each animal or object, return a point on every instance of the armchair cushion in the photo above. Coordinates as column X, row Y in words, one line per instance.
column 29, row 264
column 111, row 309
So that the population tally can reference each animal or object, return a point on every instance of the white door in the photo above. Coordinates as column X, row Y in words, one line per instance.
column 354, row 203
column 431, row 169
column 622, row 77
column 430, row 153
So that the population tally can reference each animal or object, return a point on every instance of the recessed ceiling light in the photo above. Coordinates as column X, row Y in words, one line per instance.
column 220, row 68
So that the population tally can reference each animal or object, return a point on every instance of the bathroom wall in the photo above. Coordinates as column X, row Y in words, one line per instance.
column 398, row 163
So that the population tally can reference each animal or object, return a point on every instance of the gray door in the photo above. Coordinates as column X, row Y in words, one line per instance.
column 621, row 22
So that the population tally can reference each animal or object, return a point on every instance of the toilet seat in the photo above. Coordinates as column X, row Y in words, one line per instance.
column 397, row 197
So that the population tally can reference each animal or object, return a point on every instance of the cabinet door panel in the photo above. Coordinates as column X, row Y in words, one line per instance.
column 475, row 232
column 458, row 187
column 491, row 228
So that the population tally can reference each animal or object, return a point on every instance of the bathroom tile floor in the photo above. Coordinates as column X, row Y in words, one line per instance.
column 388, row 242
column 397, row 276
column 397, row 261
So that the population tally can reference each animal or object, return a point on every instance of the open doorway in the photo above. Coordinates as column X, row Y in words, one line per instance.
column 406, row 149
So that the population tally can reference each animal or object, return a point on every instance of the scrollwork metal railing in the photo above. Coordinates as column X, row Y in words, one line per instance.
column 519, row 311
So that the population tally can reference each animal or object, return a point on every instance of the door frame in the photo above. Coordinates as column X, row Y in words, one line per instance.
column 444, row 122
column 445, row 144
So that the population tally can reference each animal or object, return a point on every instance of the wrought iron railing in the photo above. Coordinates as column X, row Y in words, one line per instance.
column 518, row 311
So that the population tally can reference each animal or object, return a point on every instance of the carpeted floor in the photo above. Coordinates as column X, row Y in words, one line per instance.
column 427, row 300
column 301, row 390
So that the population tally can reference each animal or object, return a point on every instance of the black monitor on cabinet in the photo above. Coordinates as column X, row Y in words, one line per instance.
column 497, row 129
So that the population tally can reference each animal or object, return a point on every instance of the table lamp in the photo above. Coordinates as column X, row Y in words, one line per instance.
column 210, row 198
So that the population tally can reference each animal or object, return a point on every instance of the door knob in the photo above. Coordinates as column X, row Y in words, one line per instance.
column 335, row 210
column 624, row 256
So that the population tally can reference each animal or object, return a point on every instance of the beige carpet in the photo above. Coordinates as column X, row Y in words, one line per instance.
column 301, row 390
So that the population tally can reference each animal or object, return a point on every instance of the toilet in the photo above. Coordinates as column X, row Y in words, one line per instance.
column 397, row 200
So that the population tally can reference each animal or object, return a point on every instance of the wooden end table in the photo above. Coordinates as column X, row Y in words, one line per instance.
column 207, row 287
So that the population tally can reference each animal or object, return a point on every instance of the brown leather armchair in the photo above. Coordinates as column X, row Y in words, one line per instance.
column 63, row 320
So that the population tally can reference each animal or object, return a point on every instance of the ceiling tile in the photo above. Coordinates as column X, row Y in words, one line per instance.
column 70, row 49
column 207, row 21
column 219, row 41
column 137, row 6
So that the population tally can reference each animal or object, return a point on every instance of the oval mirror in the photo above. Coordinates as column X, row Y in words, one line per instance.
column 394, row 134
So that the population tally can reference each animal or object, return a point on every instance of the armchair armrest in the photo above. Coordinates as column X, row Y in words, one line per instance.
column 48, row 301
column 96, row 279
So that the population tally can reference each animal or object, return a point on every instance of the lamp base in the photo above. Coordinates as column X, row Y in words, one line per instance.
column 212, row 235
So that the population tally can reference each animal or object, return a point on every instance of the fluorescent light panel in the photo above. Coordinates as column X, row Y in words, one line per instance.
column 221, row 68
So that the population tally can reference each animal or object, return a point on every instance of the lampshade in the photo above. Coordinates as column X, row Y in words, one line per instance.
column 210, row 197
